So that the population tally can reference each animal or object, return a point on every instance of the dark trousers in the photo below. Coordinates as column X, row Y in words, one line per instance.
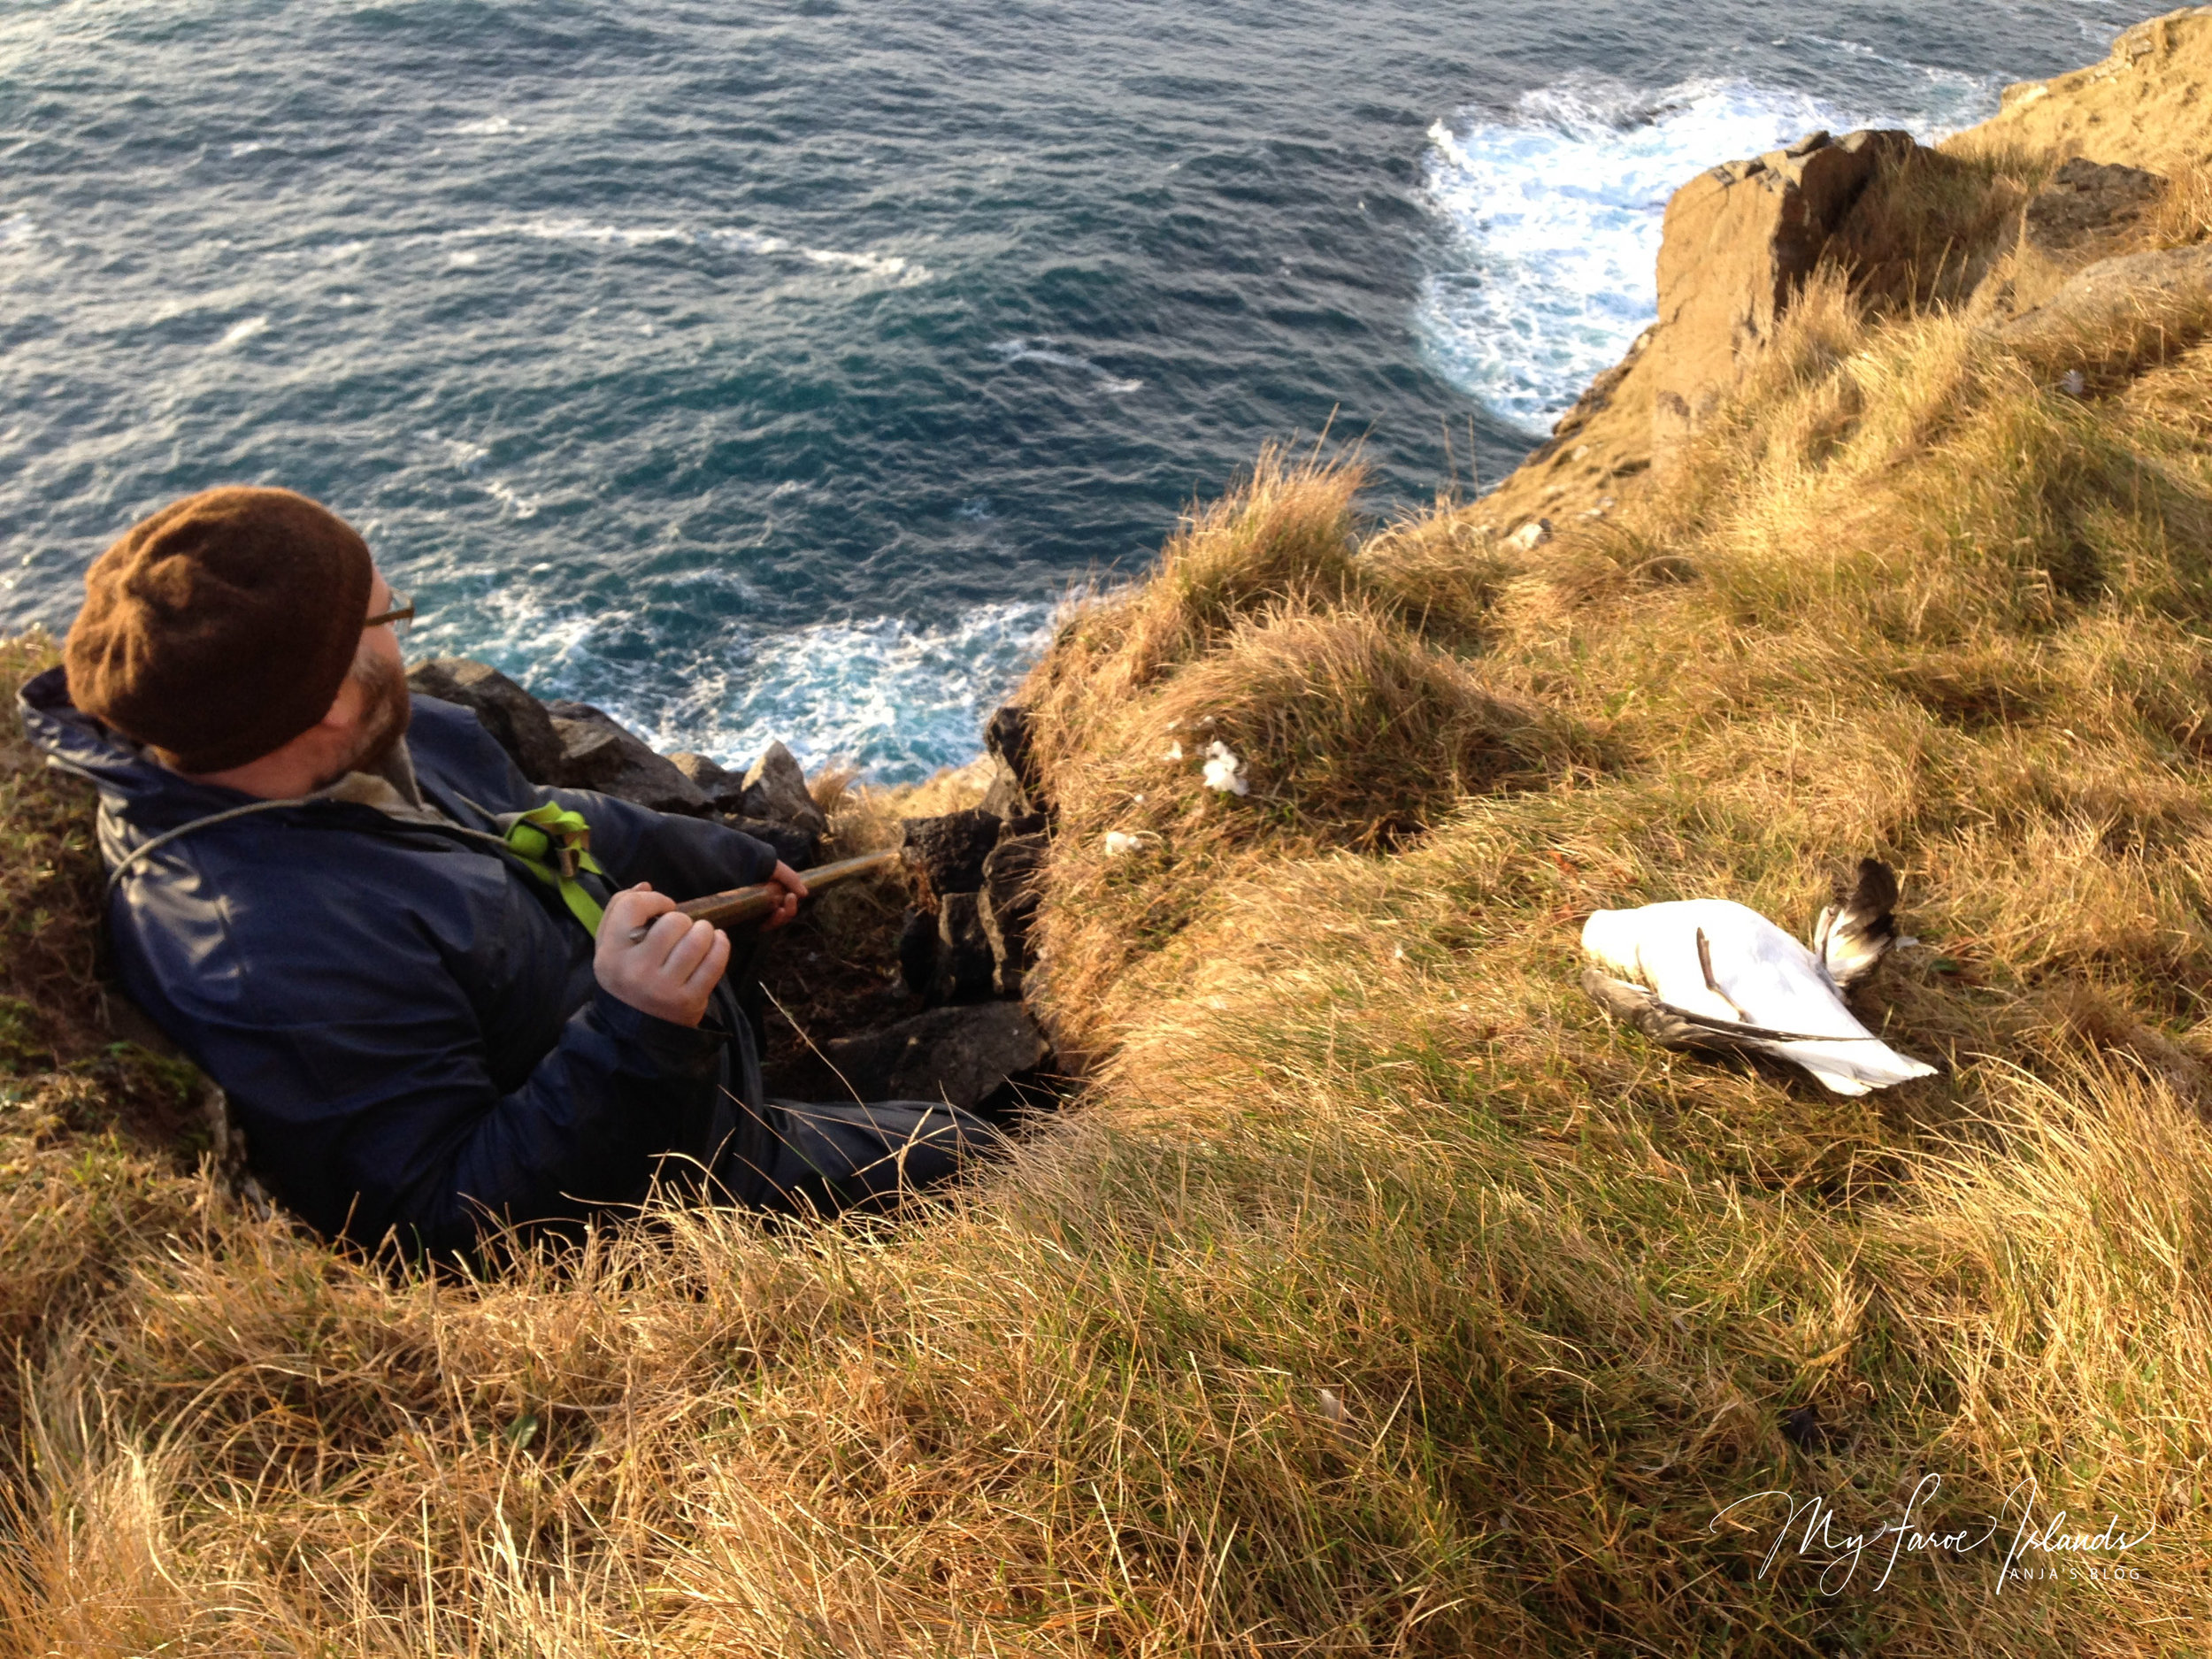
column 797, row 1157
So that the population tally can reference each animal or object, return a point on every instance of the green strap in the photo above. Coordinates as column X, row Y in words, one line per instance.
column 553, row 844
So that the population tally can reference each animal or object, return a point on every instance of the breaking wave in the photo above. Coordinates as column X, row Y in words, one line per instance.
column 899, row 698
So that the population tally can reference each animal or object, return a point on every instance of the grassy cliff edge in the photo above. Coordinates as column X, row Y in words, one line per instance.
column 1377, row 1296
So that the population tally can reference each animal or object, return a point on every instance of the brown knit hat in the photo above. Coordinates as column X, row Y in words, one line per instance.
column 221, row 628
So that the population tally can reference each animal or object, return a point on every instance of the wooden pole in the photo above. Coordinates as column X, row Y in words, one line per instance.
column 749, row 905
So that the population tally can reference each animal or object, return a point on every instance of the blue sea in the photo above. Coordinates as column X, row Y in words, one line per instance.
column 772, row 370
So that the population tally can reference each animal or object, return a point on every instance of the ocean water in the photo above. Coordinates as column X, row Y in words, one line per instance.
column 773, row 371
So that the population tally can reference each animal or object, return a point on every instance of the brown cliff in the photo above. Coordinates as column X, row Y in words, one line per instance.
column 2073, row 173
column 2144, row 106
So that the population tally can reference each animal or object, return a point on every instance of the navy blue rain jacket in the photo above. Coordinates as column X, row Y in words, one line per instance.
column 405, row 1021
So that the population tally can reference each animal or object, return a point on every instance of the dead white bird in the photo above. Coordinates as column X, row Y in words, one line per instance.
column 1710, row 973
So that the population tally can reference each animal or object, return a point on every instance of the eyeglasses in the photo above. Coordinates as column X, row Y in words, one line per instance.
column 402, row 613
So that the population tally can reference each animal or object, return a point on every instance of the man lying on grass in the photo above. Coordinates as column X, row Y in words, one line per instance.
column 350, row 908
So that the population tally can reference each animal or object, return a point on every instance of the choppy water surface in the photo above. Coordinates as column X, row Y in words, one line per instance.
column 770, row 371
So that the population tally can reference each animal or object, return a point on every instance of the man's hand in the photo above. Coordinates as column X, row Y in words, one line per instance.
column 672, row 972
column 793, row 885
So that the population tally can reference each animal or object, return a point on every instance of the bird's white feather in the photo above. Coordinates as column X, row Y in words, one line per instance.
column 1766, row 979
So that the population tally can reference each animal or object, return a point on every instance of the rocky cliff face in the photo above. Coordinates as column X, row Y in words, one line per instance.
column 2105, row 145
column 1740, row 241
column 2143, row 106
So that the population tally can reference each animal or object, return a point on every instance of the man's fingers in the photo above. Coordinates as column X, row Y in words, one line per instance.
column 639, row 904
column 690, row 950
column 704, row 977
column 628, row 927
column 666, row 931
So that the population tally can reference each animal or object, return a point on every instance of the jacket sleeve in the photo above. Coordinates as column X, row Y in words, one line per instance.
column 682, row 856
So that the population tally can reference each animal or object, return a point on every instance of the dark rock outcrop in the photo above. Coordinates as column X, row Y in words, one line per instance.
column 598, row 752
column 795, row 845
column 1017, row 788
column 797, row 840
column 517, row 721
column 723, row 789
column 917, row 951
column 945, row 855
column 965, row 967
column 976, row 871
column 1006, row 902
column 1005, row 798
column 775, row 787
column 967, row 1055
column 576, row 745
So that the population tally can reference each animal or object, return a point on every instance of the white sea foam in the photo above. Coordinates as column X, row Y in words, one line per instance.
column 516, row 621
column 751, row 241
column 239, row 332
column 1019, row 350
column 584, row 231
column 1555, row 211
column 896, row 266
column 17, row 227
column 517, row 505
column 490, row 127
column 905, row 699
column 896, row 269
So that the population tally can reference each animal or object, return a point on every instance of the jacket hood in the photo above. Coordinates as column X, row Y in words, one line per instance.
column 134, row 789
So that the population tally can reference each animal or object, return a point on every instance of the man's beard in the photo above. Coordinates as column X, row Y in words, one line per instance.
column 384, row 716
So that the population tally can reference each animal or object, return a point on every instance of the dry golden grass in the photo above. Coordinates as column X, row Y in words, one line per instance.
column 1934, row 220
column 1377, row 1297
column 2183, row 214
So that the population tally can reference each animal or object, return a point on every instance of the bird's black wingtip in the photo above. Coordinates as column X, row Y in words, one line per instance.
column 1859, row 928
column 1875, row 892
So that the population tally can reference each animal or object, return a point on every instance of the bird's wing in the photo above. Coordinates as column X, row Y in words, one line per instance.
column 1719, row 959
column 1777, row 982
column 1853, row 1068
column 1712, row 960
